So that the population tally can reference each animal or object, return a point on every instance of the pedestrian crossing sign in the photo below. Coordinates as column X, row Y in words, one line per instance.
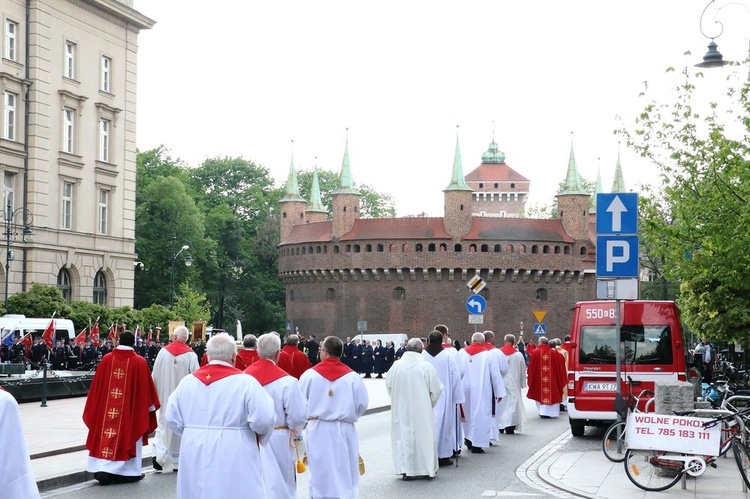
column 540, row 329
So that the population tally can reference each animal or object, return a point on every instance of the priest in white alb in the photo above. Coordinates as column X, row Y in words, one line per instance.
column 173, row 362
column 223, row 417
column 447, row 408
column 414, row 387
column 336, row 399
column 16, row 477
column 511, row 411
column 279, row 456
column 483, row 387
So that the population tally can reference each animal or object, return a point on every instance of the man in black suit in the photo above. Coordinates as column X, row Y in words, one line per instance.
column 312, row 349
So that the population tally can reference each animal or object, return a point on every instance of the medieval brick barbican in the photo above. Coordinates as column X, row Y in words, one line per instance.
column 405, row 275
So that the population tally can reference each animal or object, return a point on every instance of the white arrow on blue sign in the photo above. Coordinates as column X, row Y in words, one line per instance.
column 617, row 213
column 476, row 304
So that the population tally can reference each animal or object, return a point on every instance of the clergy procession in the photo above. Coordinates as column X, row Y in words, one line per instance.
column 264, row 408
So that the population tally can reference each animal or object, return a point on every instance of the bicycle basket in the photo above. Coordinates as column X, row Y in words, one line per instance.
column 622, row 405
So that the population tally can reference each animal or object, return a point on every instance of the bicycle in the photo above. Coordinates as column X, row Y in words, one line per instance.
column 658, row 470
column 613, row 442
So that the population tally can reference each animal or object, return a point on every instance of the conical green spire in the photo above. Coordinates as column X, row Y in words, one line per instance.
column 573, row 183
column 457, row 178
column 346, row 184
column 598, row 188
column 292, row 187
column 618, row 184
column 315, row 203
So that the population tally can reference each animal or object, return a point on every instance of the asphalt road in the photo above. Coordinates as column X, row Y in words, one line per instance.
column 492, row 474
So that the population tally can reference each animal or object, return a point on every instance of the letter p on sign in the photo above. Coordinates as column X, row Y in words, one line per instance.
column 617, row 252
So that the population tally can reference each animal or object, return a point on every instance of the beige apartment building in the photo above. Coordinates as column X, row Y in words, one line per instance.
column 68, row 147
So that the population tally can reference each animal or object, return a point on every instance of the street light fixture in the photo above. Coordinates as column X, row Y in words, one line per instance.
column 712, row 58
column 188, row 263
column 10, row 232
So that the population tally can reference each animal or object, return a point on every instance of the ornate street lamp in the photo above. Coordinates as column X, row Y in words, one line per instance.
column 712, row 58
column 188, row 263
column 11, row 231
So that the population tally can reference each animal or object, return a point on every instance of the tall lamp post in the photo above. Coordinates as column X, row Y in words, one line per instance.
column 713, row 58
column 10, row 232
column 188, row 263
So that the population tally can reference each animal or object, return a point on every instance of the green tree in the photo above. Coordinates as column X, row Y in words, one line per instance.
column 39, row 301
column 166, row 219
column 191, row 305
column 697, row 219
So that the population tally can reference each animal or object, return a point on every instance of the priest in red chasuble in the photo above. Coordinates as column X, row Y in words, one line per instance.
column 120, row 414
column 547, row 378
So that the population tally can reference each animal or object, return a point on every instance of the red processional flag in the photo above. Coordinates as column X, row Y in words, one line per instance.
column 49, row 334
column 150, row 334
column 81, row 338
column 112, row 335
column 28, row 341
column 122, row 327
column 94, row 336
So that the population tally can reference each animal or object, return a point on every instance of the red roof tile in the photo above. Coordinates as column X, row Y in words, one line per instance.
column 489, row 172
column 397, row 228
column 318, row 232
column 517, row 229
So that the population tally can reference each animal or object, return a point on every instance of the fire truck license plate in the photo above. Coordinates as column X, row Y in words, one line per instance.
column 599, row 387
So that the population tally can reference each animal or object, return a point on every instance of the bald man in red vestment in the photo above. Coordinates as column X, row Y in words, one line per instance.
column 120, row 414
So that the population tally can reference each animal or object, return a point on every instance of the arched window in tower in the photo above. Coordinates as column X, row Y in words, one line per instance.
column 310, row 250
column 63, row 284
column 393, row 248
column 399, row 294
column 356, row 248
column 443, row 248
column 301, row 216
column 405, row 248
column 457, row 248
column 545, row 249
column 485, row 248
column 583, row 251
column 291, row 295
column 497, row 249
column 418, row 247
column 461, row 208
column 495, row 185
column 509, row 248
column 380, row 248
column 535, row 249
column 317, row 249
column 472, row 248
column 481, row 185
column 330, row 294
column 566, row 250
column 557, row 250
column 368, row 248
column 344, row 209
column 431, row 247
column 541, row 294
column 304, row 250
column 325, row 250
column 283, row 215
column 522, row 248
column 336, row 249
column 100, row 289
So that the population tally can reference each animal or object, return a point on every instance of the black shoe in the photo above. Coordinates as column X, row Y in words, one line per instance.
column 155, row 464
column 563, row 408
column 105, row 478
column 467, row 442
column 408, row 478
column 368, row 376
column 545, row 417
column 477, row 450
column 131, row 479
column 379, row 376
column 445, row 461
column 502, row 430
column 510, row 430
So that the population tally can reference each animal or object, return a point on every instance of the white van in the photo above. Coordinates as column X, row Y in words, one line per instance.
column 21, row 325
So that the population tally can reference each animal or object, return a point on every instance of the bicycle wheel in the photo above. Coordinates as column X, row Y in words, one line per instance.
column 742, row 458
column 648, row 470
column 613, row 446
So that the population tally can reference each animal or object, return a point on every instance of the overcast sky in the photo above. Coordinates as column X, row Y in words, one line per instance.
column 245, row 78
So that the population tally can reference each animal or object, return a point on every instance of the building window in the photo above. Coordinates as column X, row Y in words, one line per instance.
column 100, row 289
column 393, row 248
column 70, row 60
column 380, row 248
column 9, row 192
column 368, row 248
column 457, row 248
column 356, row 248
column 405, row 248
column 485, row 248
column 566, row 250
column 535, row 249
column 497, row 248
column 399, row 294
column 102, row 212
column 330, row 294
column 63, row 284
column 104, row 127
column 541, row 294
column 418, row 247
column 481, row 185
column 9, row 115
column 106, row 85
column 545, row 249
column 495, row 185
column 431, row 247
column 67, row 205
column 69, row 130
column 335, row 249
column 583, row 251
column 11, row 40
column 512, row 186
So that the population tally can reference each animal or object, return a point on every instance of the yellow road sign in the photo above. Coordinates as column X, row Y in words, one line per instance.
column 539, row 315
column 476, row 284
